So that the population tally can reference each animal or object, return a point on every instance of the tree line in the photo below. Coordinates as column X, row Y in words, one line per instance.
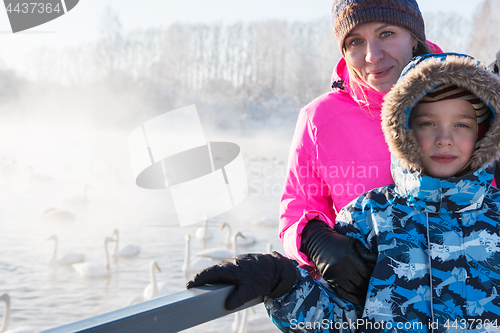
column 257, row 70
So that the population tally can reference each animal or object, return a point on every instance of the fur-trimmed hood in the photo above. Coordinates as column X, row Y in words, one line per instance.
column 424, row 74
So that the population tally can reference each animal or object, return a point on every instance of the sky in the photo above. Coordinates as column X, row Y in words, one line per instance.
column 82, row 24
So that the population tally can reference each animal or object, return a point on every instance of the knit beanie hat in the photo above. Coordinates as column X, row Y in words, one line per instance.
column 347, row 14
column 452, row 91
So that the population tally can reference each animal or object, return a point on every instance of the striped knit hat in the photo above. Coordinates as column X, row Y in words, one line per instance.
column 452, row 91
column 347, row 14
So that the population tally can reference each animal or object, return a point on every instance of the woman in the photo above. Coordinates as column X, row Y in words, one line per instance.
column 338, row 152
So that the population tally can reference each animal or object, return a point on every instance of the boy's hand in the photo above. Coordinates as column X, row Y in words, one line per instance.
column 344, row 262
column 253, row 275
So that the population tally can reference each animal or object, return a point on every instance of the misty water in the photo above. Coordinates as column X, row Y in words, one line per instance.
column 43, row 163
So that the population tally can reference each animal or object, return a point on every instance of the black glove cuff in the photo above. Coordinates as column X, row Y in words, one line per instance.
column 313, row 229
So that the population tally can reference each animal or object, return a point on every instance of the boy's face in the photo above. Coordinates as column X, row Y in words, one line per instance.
column 446, row 132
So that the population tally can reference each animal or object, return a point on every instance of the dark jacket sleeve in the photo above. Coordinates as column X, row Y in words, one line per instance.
column 311, row 306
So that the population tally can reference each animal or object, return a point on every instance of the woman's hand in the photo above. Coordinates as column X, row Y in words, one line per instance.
column 344, row 262
column 253, row 275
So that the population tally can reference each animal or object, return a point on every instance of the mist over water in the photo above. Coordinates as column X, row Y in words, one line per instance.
column 53, row 151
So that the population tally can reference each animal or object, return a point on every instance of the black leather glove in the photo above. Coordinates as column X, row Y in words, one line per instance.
column 253, row 275
column 344, row 262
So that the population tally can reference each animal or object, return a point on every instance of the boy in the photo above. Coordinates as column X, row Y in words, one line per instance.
column 436, row 231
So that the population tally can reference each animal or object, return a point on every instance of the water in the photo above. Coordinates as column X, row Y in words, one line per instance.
column 42, row 165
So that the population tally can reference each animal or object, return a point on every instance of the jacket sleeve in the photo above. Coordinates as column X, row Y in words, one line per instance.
column 354, row 220
column 311, row 306
column 305, row 195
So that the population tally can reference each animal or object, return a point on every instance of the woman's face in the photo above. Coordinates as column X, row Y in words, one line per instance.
column 378, row 52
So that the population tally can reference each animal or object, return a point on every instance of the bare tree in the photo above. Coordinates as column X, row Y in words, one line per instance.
column 485, row 36
column 448, row 30
column 111, row 44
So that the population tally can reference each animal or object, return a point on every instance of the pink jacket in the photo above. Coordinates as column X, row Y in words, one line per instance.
column 338, row 152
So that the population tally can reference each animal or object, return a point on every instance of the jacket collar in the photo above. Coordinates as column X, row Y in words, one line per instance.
column 366, row 97
column 442, row 196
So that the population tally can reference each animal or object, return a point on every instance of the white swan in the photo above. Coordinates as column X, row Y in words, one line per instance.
column 196, row 264
column 202, row 233
column 246, row 241
column 66, row 259
column 243, row 327
column 127, row 251
column 133, row 301
column 153, row 289
column 220, row 253
column 78, row 200
column 53, row 215
column 6, row 318
column 240, row 325
column 36, row 177
column 269, row 247
column 90, row 270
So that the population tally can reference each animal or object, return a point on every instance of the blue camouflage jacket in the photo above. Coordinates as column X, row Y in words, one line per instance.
column 438, row 240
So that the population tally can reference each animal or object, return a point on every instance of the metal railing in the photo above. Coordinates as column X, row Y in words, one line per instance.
column 172, row 313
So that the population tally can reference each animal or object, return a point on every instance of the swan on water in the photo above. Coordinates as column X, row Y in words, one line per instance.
column 246, row 241
column 195, row 264
column 240, row 325
column 127, row 251
column 154, row 288
column 6, row 319
column 36, row 177
column 66, row 259
column 202, row 233
column 53, row 215
column 90, row 270
column 269, row 247
column 221, row 253
column 81, row 200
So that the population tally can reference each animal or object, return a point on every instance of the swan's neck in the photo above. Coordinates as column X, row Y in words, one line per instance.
column 54, row 254
column 244, row 322
column 236, row 322
column 205, row 226
column 115, row 247
column 152, row 278
column 234, row 243
column 6, row 317
column 228, row 235
column 107, row 255
column 186, row 256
